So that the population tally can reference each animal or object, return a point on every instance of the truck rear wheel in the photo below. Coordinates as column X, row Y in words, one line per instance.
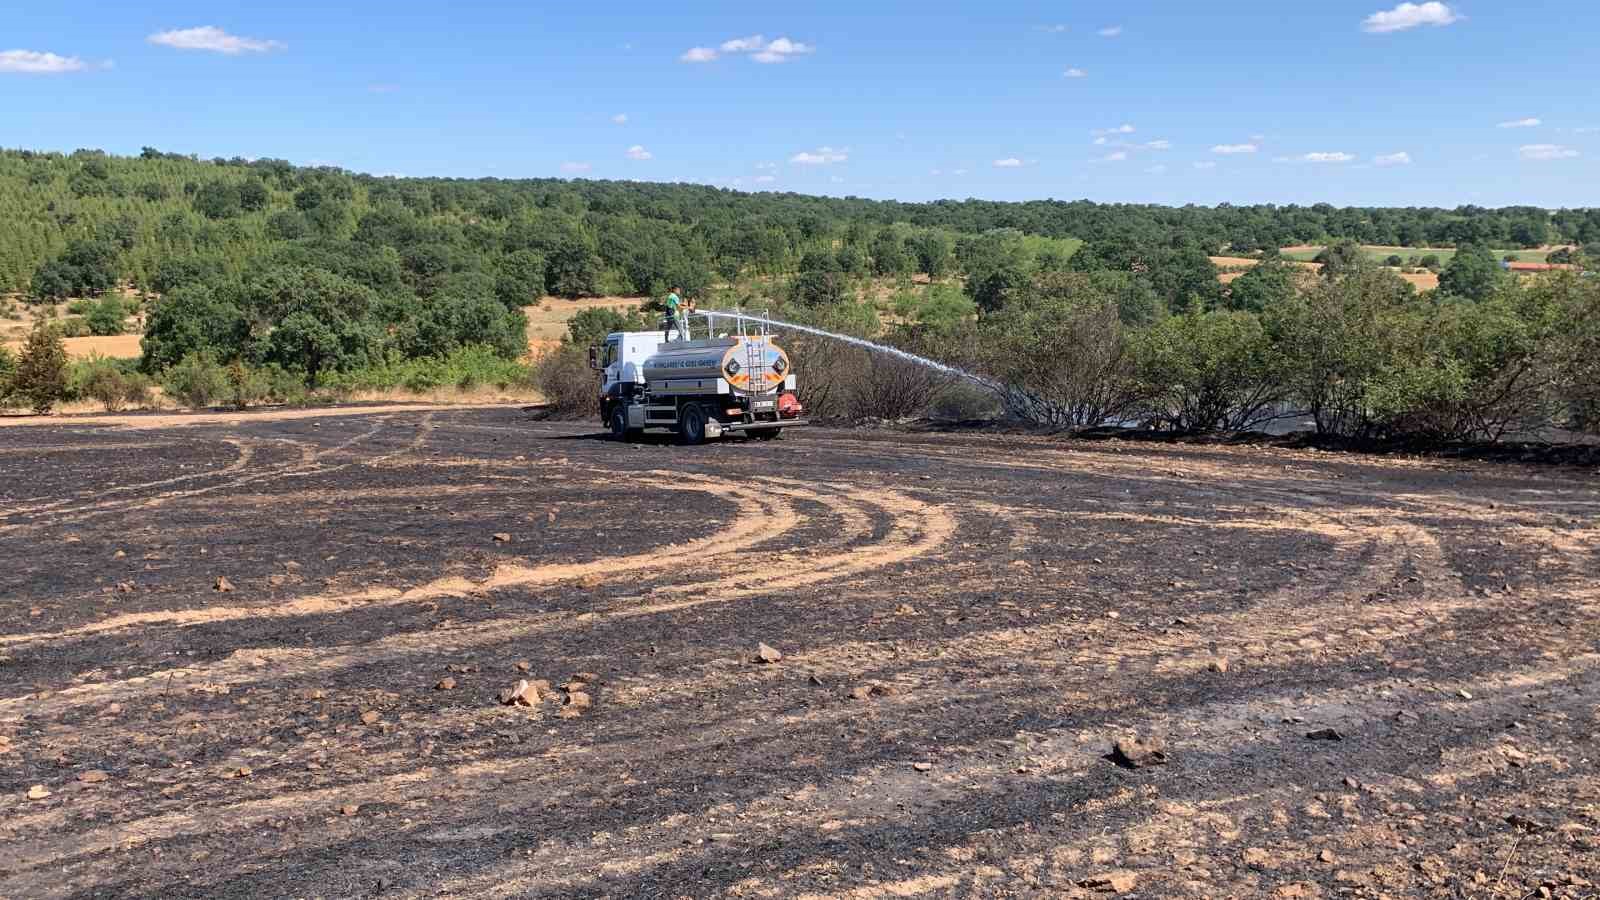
column 692, row 425
column 619, row 424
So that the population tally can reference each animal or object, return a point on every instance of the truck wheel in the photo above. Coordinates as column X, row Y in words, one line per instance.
column 692, row 426
column 619, row 424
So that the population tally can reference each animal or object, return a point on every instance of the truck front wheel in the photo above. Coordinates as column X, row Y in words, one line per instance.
column 692, row 425
column 619, row 423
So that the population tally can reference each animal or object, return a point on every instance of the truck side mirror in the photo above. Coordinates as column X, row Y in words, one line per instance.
column 594, row 358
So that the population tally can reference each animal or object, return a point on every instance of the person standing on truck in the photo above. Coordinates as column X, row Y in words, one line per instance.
column 677, row 316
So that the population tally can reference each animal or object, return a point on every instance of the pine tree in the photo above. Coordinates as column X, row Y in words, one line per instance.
column 41, row 375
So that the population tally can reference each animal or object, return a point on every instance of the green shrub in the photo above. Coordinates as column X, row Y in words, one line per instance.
column 1209, row 371
column 74, row 328
column 114, row 384
column 107, row 316
column 198, row 381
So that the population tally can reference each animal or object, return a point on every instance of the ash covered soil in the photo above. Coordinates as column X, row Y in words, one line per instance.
column 263, row 656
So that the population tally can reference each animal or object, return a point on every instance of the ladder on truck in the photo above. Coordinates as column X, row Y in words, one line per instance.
column 755, row 357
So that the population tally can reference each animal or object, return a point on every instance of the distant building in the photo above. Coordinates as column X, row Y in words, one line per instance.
column 1538, row 267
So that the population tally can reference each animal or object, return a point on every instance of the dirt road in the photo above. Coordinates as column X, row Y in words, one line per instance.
column 263, row 657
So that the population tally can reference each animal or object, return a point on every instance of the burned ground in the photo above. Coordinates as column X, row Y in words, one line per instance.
column 967, row 623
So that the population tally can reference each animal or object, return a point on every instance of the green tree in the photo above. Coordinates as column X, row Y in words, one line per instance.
column 1340, row 259
column 1209, row 371
column 889, row 256
column 191, row 319
column 933, row 252
column 519, row 278
column 40, row 377
column 1472, row 273
column 1271, row 282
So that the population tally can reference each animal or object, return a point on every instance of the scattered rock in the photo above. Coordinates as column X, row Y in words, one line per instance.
column 815, row 681
column 905, row 609
column 277, row 580
column 578, row 700
column 38, row 792
column 1464, row 694
column 222, row 585
column 445, row 684
column 1219, row 665
column 524, row 666
column 586, row 677
column 1112, row 882
column 120, row 554
column 240, row 772
column 767, row 654
column 1299, row 890
column 1524, row 823
column 93, row 776
column 1515, row 757
column 72, row 539
column 590, row 582
column 1327, row 856
column 523, row 693
column 1352, row 784
column 922, row 766
column 291, row 566
column 1255, row 856
column 124, row 587
column 370, row 717
column 871, row 690
column 1135, row 752
column 501, row 537
column 1324, row 734
column 349, row 809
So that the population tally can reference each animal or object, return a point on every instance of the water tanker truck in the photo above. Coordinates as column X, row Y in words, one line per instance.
column 696, row 388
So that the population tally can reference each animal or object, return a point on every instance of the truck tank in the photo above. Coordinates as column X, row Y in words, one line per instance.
column 736, row 359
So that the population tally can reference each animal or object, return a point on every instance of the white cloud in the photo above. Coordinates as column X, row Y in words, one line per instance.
column 210, row 37
column 1234, row 149
column 765, row 179
column 766, row 165
column 1157, row 170
column 1120, row 129
column 1157, row 145
column 1010, row 162
column 1074, row 73
column 822, row 156
column 1410, row 15
column 1392, row 159
column 1101, row 141
column 744, row 45
column 836, row 179
column 575, row 167
column 958, row 171
column 1116, row 156
column 1051, row 29
column 1113, row 31
column 1207, row 164
column 935, row 172
column 32, row 62
column 756, row 46
column 620, row 118
column 1546, row 152
column 640, row 153
column 1585, row 130
column 1521, row 123
column 1334, row 157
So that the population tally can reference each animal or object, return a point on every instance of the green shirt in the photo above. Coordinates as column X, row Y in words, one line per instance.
column 672, row 304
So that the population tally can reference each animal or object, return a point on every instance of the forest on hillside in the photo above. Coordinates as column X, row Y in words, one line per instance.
column 262, row 280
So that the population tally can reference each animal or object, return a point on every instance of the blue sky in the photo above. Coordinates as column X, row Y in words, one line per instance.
column 1357, row 102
